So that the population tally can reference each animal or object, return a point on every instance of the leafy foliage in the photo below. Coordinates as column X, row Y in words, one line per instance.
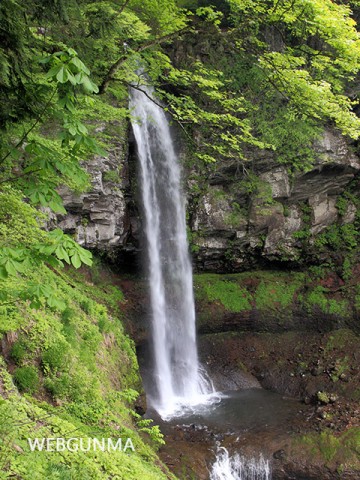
column 280, row 68
column 91, row 372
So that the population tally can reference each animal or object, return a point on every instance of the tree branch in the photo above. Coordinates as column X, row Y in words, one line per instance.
column 136, row 87
column 113, row 69
column 23, row 138
column 122, row 8
column 14, row 179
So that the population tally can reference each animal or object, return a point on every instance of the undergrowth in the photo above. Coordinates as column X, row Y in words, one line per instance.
column 74, row 374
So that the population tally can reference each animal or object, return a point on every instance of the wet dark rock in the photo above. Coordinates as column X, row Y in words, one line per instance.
column 279, row 455
column 226, row 378
column 316, row 371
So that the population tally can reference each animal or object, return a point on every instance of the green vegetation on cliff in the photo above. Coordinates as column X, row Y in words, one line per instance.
column 275, row 296
column 68, row 370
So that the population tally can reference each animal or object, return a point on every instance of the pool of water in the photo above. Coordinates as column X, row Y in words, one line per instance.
column 242, row 410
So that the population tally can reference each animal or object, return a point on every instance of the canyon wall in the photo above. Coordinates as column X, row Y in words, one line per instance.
column 239, row 218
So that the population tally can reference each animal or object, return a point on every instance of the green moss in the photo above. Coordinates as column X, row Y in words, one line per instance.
column 339, row 339
column 335, row 450
column 277, row 293
column 318, row 298
column 236, row 291
column 328, row 446
column 236, row 217
column 323, row 397
column 111, row 176
column 228, row 293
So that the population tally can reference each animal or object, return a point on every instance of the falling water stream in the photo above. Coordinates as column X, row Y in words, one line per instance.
column 236, row 467
column 180, row 385
column 179, row 379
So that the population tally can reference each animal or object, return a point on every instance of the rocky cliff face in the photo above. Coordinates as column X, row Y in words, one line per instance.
column 242, row 219
column 105, row 217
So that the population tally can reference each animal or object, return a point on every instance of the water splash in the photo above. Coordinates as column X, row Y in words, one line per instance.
column 179, row 379
column 237, row 467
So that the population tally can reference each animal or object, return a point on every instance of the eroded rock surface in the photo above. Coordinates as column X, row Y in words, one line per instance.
column 245, row 221
column 104, row 218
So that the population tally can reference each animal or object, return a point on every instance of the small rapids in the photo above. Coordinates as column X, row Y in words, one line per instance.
column 237, row 467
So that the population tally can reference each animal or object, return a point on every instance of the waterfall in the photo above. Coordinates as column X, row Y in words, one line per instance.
column 236, row 467
column 178, row 378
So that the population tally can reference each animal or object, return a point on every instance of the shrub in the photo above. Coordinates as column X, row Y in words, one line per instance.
column 67, row 314
column 27, row 379
column 56, row 357
column 18, row 352
column 58, row 387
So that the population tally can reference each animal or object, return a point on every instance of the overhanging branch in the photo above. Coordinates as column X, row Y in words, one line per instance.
column 167, row 109
column 157, row 41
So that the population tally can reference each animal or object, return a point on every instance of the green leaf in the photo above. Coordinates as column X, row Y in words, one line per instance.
column 54, row 302
column 10, row 267
column 54, row 262
column 56, row 207
column 79, row 65
column 72, row 78
column 63, row 75
column 86, row 257
column 82, row 129
column 3, row 272
column 75, row 260
column 72, row 52
column 88, row 85
column 62, row 254
column 72, row 130
column 54, row 71
column 45, row 60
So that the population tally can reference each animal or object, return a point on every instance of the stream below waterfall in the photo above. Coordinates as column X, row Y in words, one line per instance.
column 232, row 439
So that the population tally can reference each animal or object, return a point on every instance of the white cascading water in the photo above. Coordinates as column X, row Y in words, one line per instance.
column 178, row 376
column 237, row 467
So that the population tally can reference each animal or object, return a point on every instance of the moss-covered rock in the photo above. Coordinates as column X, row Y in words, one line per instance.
column 273, row 301
column 338, row 454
